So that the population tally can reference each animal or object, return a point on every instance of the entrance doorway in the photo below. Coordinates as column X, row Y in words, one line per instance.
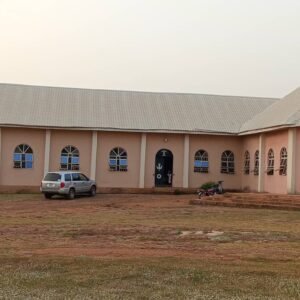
column 163, row 168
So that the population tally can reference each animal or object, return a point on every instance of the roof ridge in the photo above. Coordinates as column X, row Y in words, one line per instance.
column 136, row 91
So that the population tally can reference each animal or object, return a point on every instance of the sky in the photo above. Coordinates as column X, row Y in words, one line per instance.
column 232, row 47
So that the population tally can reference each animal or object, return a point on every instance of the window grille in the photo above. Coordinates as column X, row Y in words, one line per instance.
column 283, row 162
column 247, row 163
column 270, row 169
column 256, row 163
column 69, row 159
column 118, row 160
column 227, row 162
column 23, row 157
column 201, row 162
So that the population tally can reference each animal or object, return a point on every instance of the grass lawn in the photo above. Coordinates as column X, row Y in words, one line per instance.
column 145, row 247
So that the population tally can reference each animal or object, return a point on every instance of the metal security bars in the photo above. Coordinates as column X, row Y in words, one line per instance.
column 201, row 162
column 247, row 163
column 283, row 162
column 69, row 159
column 270, row 169
column 118, row 160
column 227, row 162
column 23, row 157
column 256, row 163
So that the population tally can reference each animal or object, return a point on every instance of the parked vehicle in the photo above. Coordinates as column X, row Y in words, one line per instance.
column 217, row 188
column 68, row 184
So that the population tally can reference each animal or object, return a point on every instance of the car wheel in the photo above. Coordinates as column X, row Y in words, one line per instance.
column 93, row 191
column 71, row 194
column 47, row 196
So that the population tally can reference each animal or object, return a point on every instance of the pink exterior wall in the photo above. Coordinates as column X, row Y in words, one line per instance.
column 172, row 142
column 275, row 183
column 82, row 140
column 11, row 138
column 251, row 144
column 215, row 146
column 131, row 142
column 298, row 161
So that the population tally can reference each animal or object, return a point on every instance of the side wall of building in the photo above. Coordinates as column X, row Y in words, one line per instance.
column 215, row 146
column 250, row 181
column 276, row 183
column 171, row 142
column 10, row 139
column 131, row 142
column 82, row 140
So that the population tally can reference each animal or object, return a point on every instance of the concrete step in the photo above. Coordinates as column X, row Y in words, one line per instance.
column 245, row 204
column 252, row 200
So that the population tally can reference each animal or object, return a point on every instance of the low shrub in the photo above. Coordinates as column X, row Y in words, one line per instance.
column 207, row 185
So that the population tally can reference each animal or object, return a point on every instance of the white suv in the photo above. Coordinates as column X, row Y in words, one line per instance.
column 68, row 184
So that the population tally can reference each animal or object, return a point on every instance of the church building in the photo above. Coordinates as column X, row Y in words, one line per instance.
column 143, row 141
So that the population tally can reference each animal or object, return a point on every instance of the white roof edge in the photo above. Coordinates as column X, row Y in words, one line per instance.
column 261, row 130
column 120, row 130
column 267, row 129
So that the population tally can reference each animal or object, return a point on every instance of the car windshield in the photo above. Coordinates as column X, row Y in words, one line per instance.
column 52, row 177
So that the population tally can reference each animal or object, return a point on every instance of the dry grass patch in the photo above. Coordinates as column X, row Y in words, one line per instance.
column 145, row 247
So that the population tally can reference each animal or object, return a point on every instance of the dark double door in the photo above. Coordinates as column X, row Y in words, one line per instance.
column 163, row 168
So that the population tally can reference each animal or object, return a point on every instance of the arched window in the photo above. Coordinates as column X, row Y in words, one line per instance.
column 270, row 170
column 118, row 159
column 23, row 157
column 201, row 162
column 247, row 163
column 227, row 162
column 283, row 161
column 256, row 163
column 69, row 159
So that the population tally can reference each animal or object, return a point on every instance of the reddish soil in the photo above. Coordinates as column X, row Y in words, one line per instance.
column 125, row 226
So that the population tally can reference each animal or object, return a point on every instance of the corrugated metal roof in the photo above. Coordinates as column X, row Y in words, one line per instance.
column 285, row 112
column 38, row 106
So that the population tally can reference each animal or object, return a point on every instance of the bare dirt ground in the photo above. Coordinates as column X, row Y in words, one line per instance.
column 124, row 226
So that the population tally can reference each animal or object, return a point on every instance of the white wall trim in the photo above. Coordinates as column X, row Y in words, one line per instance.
column 186, row 155
column 291, row 161
column 261, row 175
column 143, row 160
column 47, row 151
column 94, row 155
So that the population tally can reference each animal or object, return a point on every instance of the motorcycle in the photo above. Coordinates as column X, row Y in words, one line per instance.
column 216, row 189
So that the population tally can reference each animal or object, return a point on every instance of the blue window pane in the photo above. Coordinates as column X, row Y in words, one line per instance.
column 201, row 164
column 112, row 162
column 17, row 157
column 123, row 162
column 28, row 165
column 75, row 160
column 197, row 163
column 63, row 159
column 204, row 164
column 28, row 157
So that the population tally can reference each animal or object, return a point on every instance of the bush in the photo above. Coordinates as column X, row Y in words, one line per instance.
column 177, row 192
column 207, row 185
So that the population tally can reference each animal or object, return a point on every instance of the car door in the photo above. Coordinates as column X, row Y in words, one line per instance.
column 77, row 183
column 85, row 183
